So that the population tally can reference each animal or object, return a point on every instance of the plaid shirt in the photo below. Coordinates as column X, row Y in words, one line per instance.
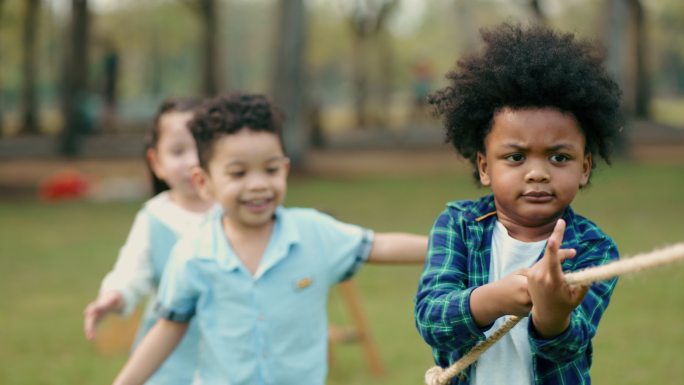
column 458, row 262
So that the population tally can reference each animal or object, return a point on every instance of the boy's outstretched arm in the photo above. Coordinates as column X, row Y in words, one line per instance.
column 152, row 351
column 398, row 248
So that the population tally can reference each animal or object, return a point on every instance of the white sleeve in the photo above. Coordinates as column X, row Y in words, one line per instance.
column 132, row 275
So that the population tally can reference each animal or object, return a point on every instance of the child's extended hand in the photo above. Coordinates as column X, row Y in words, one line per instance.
column 552, row 299
column 507, row 296
column 93, row 313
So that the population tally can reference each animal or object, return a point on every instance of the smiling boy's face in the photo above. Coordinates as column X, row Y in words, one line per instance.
column 535, row 163
column 247, row 175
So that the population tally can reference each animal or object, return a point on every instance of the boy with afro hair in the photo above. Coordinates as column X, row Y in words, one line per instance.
column 531, row 113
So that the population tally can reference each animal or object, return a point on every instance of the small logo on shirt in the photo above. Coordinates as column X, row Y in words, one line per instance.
column 303, row 283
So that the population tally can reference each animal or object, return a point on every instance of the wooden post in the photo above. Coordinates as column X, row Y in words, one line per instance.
column 360, row 331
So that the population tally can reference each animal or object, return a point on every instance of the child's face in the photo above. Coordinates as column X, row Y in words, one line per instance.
column 247, row 175
column 175, row 154
column 535, row 163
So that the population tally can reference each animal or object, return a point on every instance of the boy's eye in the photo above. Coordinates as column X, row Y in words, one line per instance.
column 515, row 157
column 272, row 170
column 237, row 174
column 559, row 158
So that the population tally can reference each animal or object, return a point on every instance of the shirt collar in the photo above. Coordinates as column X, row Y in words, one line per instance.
column 484, row 210
column 284, row 235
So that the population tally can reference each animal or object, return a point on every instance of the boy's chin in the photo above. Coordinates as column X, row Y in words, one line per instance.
column 255, row 221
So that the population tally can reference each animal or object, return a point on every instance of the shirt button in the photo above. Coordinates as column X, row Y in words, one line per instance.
column 262, row 317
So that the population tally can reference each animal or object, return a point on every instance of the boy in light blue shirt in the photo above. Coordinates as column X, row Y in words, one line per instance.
column 256, row 277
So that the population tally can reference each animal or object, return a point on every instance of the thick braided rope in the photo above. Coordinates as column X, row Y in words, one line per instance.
column 441, row 376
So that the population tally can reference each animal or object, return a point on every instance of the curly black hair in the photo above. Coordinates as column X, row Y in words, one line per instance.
column 228, row 114
column 170, row 104
column 529, row 67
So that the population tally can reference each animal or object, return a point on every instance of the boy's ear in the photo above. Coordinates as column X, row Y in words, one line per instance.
column 482, row 169
column 586, row 170
column 153, row 161
column 202, row 183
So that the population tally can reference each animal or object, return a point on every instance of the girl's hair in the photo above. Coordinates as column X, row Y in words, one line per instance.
column 152, row 137
column 533, row 67
column 227, row 114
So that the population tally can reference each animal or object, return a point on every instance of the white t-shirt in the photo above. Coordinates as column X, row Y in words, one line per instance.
column 509, row 361
column 133, row 274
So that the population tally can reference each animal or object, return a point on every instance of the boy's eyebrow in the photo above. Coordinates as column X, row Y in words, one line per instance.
column 515, row 146
column 280, row 157
column 561, row 146
column 557, row 147
column 238, row 162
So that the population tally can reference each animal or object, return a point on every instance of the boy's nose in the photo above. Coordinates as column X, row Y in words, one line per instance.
column 256, row 182
column 537, row 173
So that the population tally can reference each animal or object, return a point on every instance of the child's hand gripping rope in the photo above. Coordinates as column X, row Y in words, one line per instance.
column 552, row 298
column 569, row 290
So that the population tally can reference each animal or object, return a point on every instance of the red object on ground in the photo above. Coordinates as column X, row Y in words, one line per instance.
column 65, row 185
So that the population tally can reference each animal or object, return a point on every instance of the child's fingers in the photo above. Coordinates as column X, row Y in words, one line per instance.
column 92, row 315
column 564, row 254
column 556, row 237
column 551, row 255
column 578, row 293
column 89, row 321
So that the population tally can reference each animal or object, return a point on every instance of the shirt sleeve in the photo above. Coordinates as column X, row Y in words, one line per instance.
column 442, row 309
column 345, row 246
column 178, row 292
column 576, row 339
column 132, row 275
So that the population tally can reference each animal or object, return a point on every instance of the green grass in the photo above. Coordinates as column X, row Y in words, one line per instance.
column 53, row 256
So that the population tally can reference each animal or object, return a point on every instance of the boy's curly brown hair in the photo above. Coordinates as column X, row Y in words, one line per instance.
column 228, row 114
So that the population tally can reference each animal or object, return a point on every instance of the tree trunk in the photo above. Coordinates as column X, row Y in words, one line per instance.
column 616, row 19
column 289, row 84
column 360, row 77
column 642, row 97
column 2, row 126
column 30, row 124
column 626, row 41
column 383, row 39
column 466, row 29
column 537, row 12
column 210, row 50
column 616, row 13
column 368, row 21
column 386, row 54
column 76, row 73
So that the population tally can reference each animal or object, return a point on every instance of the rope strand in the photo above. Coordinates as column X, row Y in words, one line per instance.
column 441, row 376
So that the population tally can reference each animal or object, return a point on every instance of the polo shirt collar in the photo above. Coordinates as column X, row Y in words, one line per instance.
column 284, row 235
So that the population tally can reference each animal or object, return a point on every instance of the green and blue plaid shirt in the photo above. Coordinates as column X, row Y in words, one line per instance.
column 458, row 262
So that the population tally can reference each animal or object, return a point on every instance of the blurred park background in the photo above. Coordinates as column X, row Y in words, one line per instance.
column 80, row 81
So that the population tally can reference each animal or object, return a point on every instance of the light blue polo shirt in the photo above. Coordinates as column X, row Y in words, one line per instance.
column 270, row 328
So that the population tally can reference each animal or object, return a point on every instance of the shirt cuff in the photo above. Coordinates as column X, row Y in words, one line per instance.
column 461, row 305
column 173, row 315
column 560, row 348
column 362, row 254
